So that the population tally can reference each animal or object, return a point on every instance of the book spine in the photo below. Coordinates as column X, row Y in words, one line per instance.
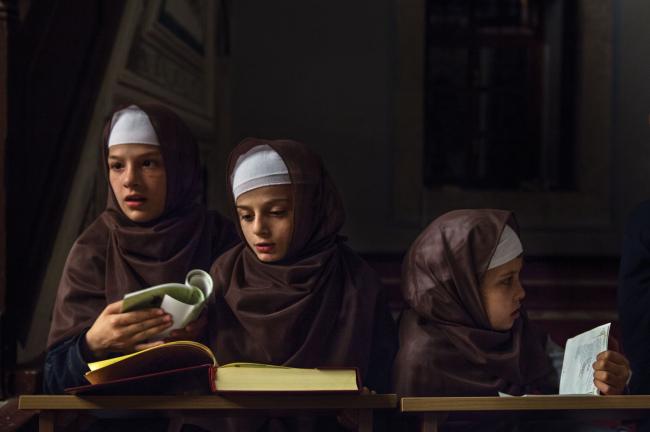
column 213, row 379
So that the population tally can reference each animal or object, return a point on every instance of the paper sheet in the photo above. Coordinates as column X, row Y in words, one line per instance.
column 579, row 356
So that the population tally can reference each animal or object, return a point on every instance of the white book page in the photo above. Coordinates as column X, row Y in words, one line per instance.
column 201, row 280
column 579, row 356
column 180, row 312
column 183, row 302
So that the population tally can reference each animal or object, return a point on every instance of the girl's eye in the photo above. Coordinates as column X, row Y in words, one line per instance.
column 149, row 163
column 246, row 217
column 507, row 282
column 278, row 213
column 115, row 165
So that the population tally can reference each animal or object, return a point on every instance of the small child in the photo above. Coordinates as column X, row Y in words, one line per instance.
column 466, row 332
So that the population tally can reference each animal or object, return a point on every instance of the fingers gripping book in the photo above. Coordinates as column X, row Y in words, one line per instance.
column 580, row 353
column 577, row 377
column 184, row 302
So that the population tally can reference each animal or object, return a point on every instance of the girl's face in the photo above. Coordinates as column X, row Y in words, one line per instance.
column 266, row 219
column 139, row 181
column 502, row 294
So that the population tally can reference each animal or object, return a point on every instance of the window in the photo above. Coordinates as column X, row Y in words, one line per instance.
column 499, row 94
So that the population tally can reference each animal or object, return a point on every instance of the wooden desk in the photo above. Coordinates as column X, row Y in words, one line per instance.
column 434, row 410
column 50, row 405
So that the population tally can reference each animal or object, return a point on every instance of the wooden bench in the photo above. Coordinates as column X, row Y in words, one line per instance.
column 435, row 410
column 49, row 406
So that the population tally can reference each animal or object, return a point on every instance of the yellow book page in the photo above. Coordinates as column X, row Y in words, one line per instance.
column 166, row 357
column 103, row 363
column 256, row 377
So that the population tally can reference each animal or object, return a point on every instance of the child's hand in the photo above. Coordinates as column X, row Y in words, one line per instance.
column 611, row 372
column 193, row 331
column 114, row 331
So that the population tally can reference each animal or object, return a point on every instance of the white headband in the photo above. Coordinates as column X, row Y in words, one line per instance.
column 132, row 126
column 509, row 248
column 260, row 166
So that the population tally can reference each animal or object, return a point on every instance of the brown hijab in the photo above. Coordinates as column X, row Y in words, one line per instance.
column 316, row 307
column 447, row 346
column 115, row 255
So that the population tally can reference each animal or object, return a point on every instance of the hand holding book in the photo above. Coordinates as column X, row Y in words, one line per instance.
column 589, row 368
column 193, row 331
column 115, row 331
column 607, row 375
column 162, row 311
column 611, row 371
column 184, row 302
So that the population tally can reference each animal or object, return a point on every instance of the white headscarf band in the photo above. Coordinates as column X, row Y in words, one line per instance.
column 132, row 126
column 260, row 166
column 509, row 248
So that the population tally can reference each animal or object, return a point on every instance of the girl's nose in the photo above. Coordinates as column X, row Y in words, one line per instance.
column 259, row 227
column 130, row 177
column 521, row 292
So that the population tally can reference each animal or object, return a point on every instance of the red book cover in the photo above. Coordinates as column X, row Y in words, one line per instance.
column 188, row 380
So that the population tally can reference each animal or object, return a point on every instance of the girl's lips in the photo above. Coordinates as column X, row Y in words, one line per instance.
column 135, row 201
column 264, row 247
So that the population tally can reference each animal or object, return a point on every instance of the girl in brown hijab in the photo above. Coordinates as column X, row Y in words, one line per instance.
column 154, row 230
column 466, row 332
column 294, row 293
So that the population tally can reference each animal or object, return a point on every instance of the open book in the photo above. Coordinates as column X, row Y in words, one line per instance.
column 184, row 302
column 190, row 367
column 577, row 377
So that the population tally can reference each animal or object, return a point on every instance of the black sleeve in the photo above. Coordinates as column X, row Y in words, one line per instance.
column 65, row 366
column 634, row 297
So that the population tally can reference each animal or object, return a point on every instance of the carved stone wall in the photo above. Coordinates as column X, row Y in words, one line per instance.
column 171, row 58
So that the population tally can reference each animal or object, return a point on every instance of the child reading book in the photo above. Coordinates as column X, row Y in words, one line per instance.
column 466, row 332
column 154, row 230
column 294, row 293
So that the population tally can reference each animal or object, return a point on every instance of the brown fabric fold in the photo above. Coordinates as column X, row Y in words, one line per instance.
column 115, row 255
column 316, row 307
column 447, row 346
